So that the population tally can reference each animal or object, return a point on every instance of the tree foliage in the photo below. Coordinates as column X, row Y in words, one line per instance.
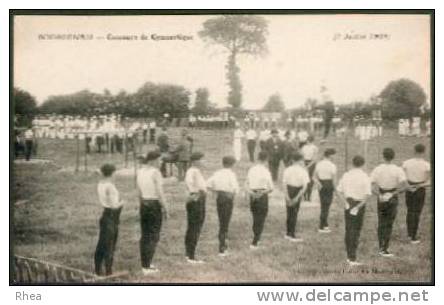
column 274, row 104
column 25, row 106
column 236, row 34
column 202, row 103
column 402, row 98
column 150, row 100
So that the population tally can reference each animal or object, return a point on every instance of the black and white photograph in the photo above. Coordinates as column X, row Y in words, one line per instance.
column 221, row 147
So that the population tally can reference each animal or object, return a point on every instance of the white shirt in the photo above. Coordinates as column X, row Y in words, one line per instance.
column 302, row 136
column 251, row 134
column 224, row 180
column 194, row 180
column 259, row 178
column 264, row 135
column 309, row 151
column 355, row 184
column 325, row 170
column 152, row 125
column 29, row 135
column 416, row 169
column 296, row 176
column 238, row 134
column 387, row 176
column 108, row 195
column 148, row 179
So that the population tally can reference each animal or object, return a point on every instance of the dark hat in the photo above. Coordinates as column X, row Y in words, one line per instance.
column 107, row 169
column 196, row 156
column 228, row 161
column 152, row 155
column 274, row 131
column 329, row 152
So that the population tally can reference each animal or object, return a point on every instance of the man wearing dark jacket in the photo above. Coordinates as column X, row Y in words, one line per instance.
column 275, row 149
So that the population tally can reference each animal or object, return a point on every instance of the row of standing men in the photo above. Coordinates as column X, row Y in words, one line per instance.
column 354, row 190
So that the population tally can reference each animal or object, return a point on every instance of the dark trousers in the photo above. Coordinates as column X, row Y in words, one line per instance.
column 273, row 164
column 251, row 145
column 259, row 210
column 28, row 149
column 151, row 223
column 182, row 167
column 152, row 136
column 353, row 226
column 415, row 202
column 144, row 135
column 327, row 127
column 386, row 217
column 196, row 218
column 109, row 229
column 224, row 202
column 263, row 145
column 292, row 211
column 310, row 169
column 88, row 144
column 326, row 198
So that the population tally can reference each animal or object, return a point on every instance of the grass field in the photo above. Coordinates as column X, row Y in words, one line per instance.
column 56, row 213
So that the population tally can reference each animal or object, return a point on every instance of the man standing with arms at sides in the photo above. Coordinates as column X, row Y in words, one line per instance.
column 259, row 184
column 264, row 135
column 329, row 113
column 109, row 221
column 152, row 131
column 183, row 154
column 275, row 153
column 290, row 147
column 197, row 190
column 302, row 137
column 295, row 182
column 237, row 142
column 251, row 136
column 388, row 180
column 152, row 208
column 29, row 143
column 417, row 171
column 164, row 146
column 145, row 131
column 324, row 177
column 310, row 153
column 354, row 190
column 224, row 184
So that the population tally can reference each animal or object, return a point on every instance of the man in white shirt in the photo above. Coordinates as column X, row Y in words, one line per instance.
column 237, row 142
column 264, row 135
column 324, row 177
column 144, row 131
column 109, row 221
column 259, row 184
column 302, row 137
column 295, row 180
column 310, row 153
column 197, row 189
column 251, row 136
column 29, row 143
column 354, row 190
column 417, row 171
column 224, row 183
column 389, row 180
column 152, row 208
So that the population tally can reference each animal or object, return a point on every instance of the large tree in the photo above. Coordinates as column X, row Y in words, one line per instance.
column 402, row 98
column 202, row 104
column 238, row 35
column 25, row 107
column 274, row 104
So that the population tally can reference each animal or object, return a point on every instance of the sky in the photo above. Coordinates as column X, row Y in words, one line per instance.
column 305, row 52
